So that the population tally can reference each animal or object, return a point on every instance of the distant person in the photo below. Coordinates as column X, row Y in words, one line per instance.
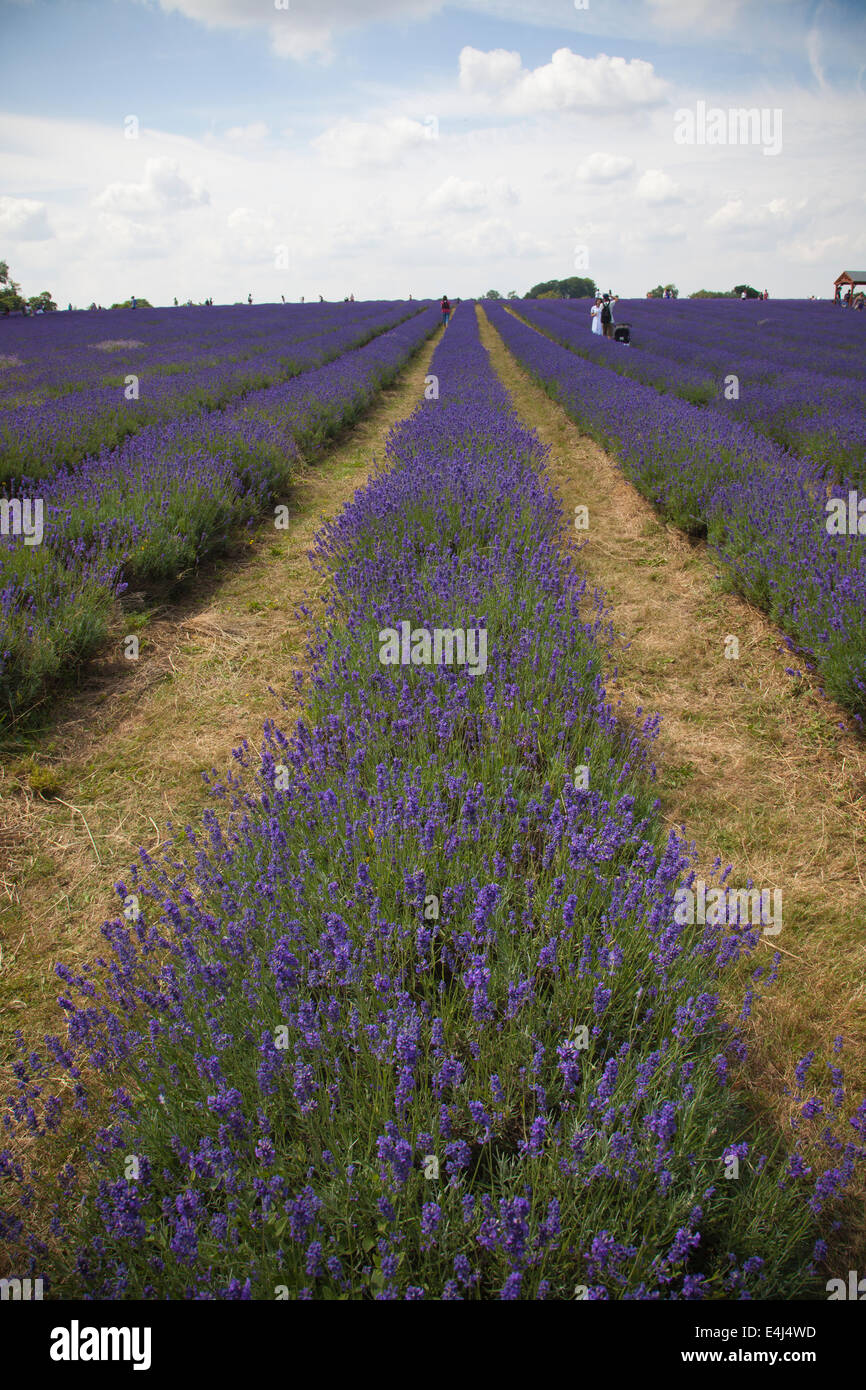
column 351, row 299
column 321, row 299
column 606, row 317
column 69, row 308
column 595, row 316
column 848, row 298
column 446, row 310
column 283, row 298
column 132, row 302
column 249, row 299
column 175, row 301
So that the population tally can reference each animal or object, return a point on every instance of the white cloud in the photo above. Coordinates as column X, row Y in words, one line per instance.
column 656, row 187
column 493, row 238
column 738, row 215
column 251, row 134
column 124, row 239
column 458, row 195
column 163, row 190
column 301, row 28
column 813, row 53
column 604, row 168
column 812, row 252
column 23, row 219
column 353, row 144
column 483, row 72
column 569, row 82
column 713, row 15
column 469, row 195
column 251, row 236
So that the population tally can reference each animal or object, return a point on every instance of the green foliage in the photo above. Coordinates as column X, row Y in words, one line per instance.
column 659, row 292
column 41, row 301
column 493, row 294
column 139, row 304
column 10, row 297
column 712, row 294
column 575, row 287
column 12, row 300
column 750, row 292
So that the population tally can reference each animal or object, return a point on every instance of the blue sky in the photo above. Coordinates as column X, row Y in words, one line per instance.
column 385, row 147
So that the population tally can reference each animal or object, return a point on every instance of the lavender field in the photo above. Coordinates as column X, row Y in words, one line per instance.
column 742, row 421
column 126, row 474
column 414, row 1012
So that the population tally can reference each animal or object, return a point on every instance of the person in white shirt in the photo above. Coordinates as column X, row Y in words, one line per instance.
column 595, row 314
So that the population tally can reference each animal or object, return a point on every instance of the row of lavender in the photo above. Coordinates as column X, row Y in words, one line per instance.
column 153, row 506
column 795, row 373
column 419, row 1018
column 764, row 511
column 37, row 438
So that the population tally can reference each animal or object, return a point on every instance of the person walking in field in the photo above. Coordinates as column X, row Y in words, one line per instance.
column 595, row 315
column 446, row 310
column 606, row 318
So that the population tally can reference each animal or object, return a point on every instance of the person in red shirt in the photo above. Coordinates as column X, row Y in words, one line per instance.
column 446, row 310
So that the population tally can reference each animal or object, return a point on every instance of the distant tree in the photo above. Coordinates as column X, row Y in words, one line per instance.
column 750, row 292
column 41, row 301
column 712, row 294
column 575, row 287
column 512, row 294
column 493, row 294
column 660, row 291
column 10, row 295
column 139, row 303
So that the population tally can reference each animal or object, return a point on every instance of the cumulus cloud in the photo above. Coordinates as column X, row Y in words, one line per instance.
column 469, row 195
column 124, row 239
column 491, row 71
column 353, row 144
column 738, row 215
column 493, row 237
column 656, row 187
column 163, row 190
column 251, row 134
column 22, row 219
column 569, row 82
column 251, row 235
column 604, row 168
column 301, row 28
column 811, row 252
